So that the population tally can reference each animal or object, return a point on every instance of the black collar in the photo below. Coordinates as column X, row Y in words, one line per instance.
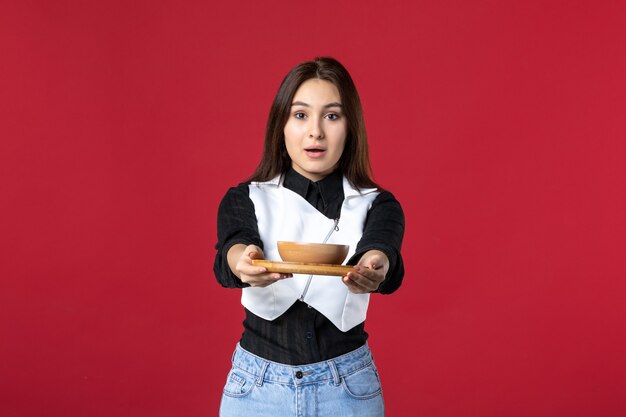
column 330, row 188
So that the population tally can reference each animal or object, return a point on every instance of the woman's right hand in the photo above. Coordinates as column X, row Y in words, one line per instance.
column 255, row 276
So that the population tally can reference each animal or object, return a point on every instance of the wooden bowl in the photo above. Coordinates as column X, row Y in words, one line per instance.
column 313, row 253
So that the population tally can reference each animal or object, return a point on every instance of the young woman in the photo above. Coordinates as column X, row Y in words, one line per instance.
column 303, row 351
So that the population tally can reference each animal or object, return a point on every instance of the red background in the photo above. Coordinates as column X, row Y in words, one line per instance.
column 499, row 126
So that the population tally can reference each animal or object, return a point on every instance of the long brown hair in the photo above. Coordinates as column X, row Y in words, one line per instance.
column 354, row 161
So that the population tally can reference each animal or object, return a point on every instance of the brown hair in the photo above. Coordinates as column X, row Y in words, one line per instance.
column 354, row 161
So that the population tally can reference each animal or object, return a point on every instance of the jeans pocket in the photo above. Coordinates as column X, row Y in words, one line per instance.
column 239, row 383
column 362, row 384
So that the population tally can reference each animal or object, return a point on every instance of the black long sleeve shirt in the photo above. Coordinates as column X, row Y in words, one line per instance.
column 302, row 334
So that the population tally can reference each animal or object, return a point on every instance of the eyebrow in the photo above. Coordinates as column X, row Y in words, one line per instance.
column 302, row 103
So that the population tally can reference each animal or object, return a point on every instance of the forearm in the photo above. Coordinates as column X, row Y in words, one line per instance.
column 233, row 256
column 236, row 225
column 224, row 272
column 384, row 231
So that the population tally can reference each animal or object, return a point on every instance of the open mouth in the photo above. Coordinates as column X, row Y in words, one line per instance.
column 315, row 150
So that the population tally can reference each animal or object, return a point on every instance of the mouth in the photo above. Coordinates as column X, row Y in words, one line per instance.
column 314, row 152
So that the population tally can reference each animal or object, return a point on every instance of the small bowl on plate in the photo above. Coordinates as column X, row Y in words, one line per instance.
column 312, row 253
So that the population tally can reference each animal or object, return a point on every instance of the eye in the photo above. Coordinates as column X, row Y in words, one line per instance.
column 332, row 116
column 299, row 115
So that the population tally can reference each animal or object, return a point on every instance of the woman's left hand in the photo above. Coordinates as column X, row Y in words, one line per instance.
column 368, row 273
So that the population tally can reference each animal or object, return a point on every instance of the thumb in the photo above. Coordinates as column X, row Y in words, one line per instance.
column 373, row 261
column 253, row 253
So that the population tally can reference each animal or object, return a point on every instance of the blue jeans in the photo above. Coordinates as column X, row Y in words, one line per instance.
column 344, row 386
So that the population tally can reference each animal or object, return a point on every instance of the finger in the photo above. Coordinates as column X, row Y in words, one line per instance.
column 264, row 279
column 249, row 269
column 369, row 278
column 271, row 276
column 375, row 276
column 353, row 286
column 277, row 276
column 359, row 282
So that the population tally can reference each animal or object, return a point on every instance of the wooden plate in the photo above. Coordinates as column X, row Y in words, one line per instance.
column 300, row 268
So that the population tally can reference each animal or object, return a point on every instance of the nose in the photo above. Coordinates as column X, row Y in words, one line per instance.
column 315, row 130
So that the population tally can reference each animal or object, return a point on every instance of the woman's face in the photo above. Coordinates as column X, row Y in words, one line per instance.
column 315, row 133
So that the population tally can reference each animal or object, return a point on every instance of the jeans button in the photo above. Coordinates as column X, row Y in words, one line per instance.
column 299, row 374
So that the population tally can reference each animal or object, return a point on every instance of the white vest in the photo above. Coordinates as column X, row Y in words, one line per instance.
column 284, row 215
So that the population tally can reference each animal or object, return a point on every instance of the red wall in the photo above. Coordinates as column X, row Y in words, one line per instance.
column 499, row 126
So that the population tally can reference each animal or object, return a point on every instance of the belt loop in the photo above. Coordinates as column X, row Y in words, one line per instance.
column 333, row 370
column 232, row 359
column 259, row 380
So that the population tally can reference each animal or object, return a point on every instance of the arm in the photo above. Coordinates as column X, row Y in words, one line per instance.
column 239, row 242
column 379, row 266
column 236, row 224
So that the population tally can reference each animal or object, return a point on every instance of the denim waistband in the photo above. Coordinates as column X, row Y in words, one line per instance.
column 332, row 369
